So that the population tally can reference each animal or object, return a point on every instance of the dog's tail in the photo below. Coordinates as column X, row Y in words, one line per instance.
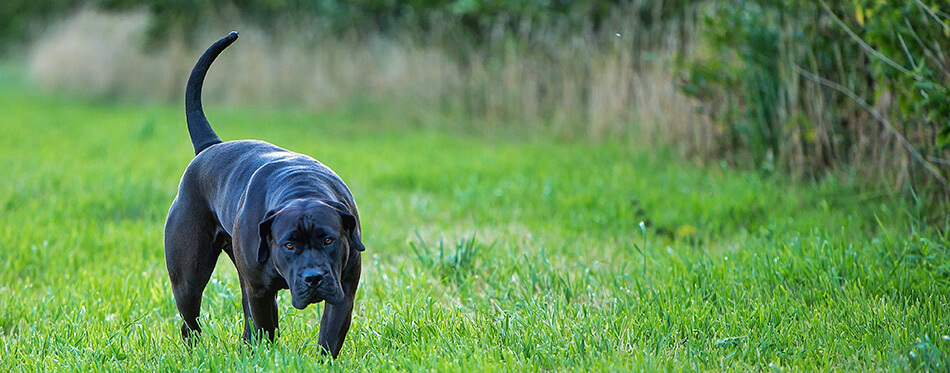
column 202, row 136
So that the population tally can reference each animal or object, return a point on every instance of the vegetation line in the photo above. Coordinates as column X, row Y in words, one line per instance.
column 713, row 81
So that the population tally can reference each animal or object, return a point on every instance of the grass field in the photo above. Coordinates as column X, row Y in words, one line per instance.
column 487, row 252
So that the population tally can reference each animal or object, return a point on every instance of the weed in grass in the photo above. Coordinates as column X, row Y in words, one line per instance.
column 456, row 266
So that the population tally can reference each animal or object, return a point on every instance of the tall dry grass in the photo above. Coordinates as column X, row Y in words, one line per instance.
column 575, row 84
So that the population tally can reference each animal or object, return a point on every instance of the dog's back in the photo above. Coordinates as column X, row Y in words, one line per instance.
column 217, row 169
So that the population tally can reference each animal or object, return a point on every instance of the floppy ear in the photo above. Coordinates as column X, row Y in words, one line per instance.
column 263, row 252
column 349, row 224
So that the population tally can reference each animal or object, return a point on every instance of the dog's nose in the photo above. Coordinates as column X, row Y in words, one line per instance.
column 312, row 277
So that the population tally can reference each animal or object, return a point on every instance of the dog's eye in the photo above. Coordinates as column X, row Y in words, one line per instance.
column 327, row 241
column 289, row 246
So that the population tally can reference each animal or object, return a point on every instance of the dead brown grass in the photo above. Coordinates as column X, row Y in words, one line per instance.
column 590, row 85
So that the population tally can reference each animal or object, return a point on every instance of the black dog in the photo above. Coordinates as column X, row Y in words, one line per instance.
column 284, row 219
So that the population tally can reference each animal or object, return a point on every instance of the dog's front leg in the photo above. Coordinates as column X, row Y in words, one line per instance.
column 336, row 317
column 263, row 315
column 248, row 335
column 334, row 325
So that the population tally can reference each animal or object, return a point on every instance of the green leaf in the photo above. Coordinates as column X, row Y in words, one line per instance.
column 943, row 138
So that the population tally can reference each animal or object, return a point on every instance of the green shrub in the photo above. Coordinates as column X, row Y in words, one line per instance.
column 798, row 84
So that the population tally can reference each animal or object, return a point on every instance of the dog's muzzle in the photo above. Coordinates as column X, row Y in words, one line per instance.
column 314, row 286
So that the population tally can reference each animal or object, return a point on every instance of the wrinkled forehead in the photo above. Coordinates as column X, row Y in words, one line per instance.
column 307, row 219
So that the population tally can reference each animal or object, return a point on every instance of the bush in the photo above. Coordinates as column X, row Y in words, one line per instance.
column 811, row 87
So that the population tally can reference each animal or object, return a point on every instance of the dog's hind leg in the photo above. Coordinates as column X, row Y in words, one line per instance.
column 192, row 245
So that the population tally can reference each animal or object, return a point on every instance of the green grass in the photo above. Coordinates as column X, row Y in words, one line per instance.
column 482, row 252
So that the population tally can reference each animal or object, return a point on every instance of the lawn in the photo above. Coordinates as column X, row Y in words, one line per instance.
column 488, row 252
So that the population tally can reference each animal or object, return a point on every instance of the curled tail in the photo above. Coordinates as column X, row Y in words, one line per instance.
column 202, row 136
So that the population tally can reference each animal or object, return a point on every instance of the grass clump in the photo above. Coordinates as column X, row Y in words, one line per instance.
column 456, row 265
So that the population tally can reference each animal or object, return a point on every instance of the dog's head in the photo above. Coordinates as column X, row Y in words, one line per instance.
column 310, row 241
